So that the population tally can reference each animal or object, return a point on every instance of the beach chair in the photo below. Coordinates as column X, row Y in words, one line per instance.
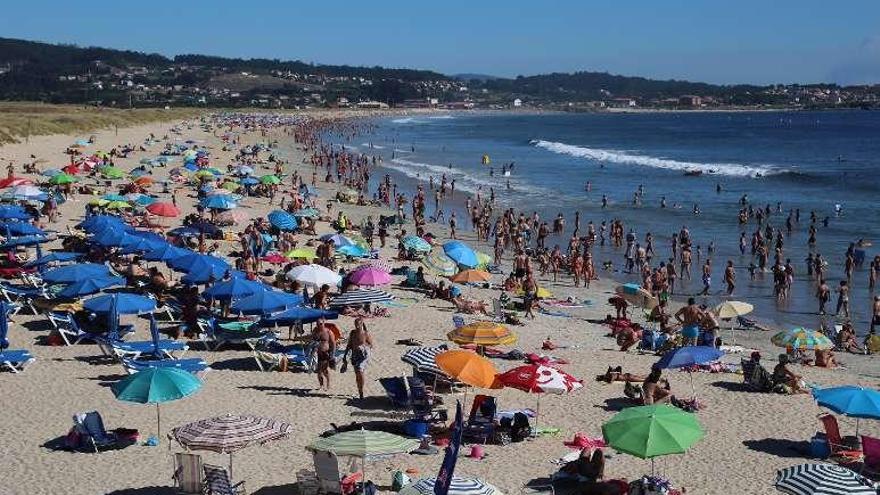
column 187, row 475
column 218, row 334
column 191, row 365
column 498, row 311
column 69, row 330
column 217, row 481
column 652, row 341
column 871, row 459
column 90, row 427
column 840, row 452
column 395, row 388
column 15, row 360
column 330, row 479
column 458, row 321
column 23, row 296
column 481, row 426
column 756, row 376
column 423, row 402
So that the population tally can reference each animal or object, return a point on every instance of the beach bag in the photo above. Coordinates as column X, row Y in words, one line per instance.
column 399, row 480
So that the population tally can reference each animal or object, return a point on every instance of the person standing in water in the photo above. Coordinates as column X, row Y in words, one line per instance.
column 730, row 277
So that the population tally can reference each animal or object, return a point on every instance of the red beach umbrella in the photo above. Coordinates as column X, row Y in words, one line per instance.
column 163, row 209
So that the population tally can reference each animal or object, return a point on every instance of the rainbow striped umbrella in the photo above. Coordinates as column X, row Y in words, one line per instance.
column 802, row 339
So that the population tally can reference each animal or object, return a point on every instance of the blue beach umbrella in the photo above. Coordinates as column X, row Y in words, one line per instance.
column 297, row 314
column 352, row 250
column 195, row 261
column 249, row 181
column 166, row 253
column 110, row 237
column 29, row 240
column 236, row 287
column 461, row 254
column 266, row 302
column 59, row 257
column 118, row 303
column 74, row 273
column 204, row 274
column 89, row 286
column 17, row 229
column 8, row 212
column 282, row 220
column 416, row 243
column 850, row 400
column 338, row 240
column 688, row 356
column 219, row 202
column 97, row 223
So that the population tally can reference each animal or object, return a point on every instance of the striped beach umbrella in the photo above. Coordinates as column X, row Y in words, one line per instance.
column 440, row 264
column 416, row 243
column 230, row 433
column 802, row 339
column 423, row 359
column 360, row 297
column 364, row 443
column 822, row 479
column 458, row 486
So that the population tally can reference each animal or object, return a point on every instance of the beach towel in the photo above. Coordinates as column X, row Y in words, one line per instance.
column 559, row 314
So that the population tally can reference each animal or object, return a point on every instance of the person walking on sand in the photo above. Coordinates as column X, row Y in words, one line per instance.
column 452, row 223
column 325, row 350
column 875, row 314
column 360, row 345
column 689, row 316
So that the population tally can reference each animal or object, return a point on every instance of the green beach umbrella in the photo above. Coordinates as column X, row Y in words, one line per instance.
column 302, row 253
column 62, row 179
column 440, row 264
column 204, row 173
column 652, row 431
column 155, row 386
column 229, row 186
column 270, row 179
column 802, row 339
column 117, row 205
column 112, row 173
column 365, row 443
column 483, row 259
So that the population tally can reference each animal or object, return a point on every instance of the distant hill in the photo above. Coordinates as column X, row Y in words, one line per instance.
column 474, row 77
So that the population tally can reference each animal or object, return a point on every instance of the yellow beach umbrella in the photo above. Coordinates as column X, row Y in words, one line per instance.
column 482, row 333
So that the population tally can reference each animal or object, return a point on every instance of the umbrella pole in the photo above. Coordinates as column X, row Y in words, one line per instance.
column 693, row 390
column 652, row 466
column 158, row 422
column 230, row 467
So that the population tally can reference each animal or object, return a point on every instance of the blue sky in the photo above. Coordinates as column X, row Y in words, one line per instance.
column 711, row 40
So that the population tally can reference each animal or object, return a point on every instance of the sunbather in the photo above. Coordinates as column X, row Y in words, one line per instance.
column 617, row 375
column 467, row 306
column 825, row 358
column 629, row 336
column 656, row 390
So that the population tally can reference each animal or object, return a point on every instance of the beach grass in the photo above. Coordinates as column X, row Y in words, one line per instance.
column 20, row 120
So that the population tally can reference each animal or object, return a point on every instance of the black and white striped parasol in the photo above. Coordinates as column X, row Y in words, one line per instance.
column 360, row 297
column 822, row 479
column 422, row 359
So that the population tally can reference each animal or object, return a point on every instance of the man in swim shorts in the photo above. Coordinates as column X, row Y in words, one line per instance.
column 360, row 345
column 689, row 317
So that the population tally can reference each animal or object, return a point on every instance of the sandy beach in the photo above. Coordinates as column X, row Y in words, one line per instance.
column 748, row 435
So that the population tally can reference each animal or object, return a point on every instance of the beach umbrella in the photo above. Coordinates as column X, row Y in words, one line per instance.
column 282, row 220
column 28, row 240
column 369, row 276
column 144, row 181
column 635, row 294
column 471, row 276
column 117, row 205
column 234, row 288
column 652, row 431
column 802, row 339
column 416, row 243
column 539, row 379
column 163, row 209
column 378, row 264
column 732, row 309
column 822, row 479
column 687, row 357
column 314, row 276
column 423, row 359
column 541, row 293
column 265, row 302
column 244, row 170
column 338, row 240
column 114, row 197
column 360, row 297
column 97, row 223
column 51, row 172
column 74, row 273
column 457, row 486
column 111, row 172
column 364, row 443
column 352, row 250
column 203, row 273
column 26, row 192
column 155, row 386
column 850, row 400
column 468, row 367
column 194, row 261
column 138, row 244
column 121, row 303
column 166, row 253
column 59, row 257
column 305, row 253
column 440, row 264
column 482, row 333
column 21, row 229
column 232, row 217
column 196, row 229
column 249, row 181
column 270, row 180
column 14, row 181
column 13, row 212
column 219, row 202
column 110, row 237
column 460, row 253
column 296, row 314
column 89, row 286
column 230, row 433
column 307, row 213
column 62, row 178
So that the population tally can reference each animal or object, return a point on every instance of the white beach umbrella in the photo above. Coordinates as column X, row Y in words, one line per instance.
column 314, row 276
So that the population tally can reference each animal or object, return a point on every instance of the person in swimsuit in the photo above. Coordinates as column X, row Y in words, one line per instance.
column 325, row 349
column 689, row 317
column 360, row 344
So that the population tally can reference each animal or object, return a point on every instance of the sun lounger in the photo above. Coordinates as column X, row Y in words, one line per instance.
column 423, row 402
column 112, row 345
column 271, row 355
column 192, row 365
column 217, row 334
column 15, row 360
column 217, row 481
column 756, row 376
column 187, row 475
column 23, row 296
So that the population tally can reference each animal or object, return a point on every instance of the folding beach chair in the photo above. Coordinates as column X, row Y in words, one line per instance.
column 188, row 473
column 330, row 479
column 90, row 427
column 395, row 388
column 839, row 451
column 458, row 321
column 424, row 405
column 217, row 481
column 13, row 359
column 481, row 426
column 69, row 330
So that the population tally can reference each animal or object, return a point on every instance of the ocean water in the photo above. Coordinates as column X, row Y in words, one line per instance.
column 807, row 160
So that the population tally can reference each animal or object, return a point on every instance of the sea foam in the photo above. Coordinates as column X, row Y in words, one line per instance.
column 627, row 158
